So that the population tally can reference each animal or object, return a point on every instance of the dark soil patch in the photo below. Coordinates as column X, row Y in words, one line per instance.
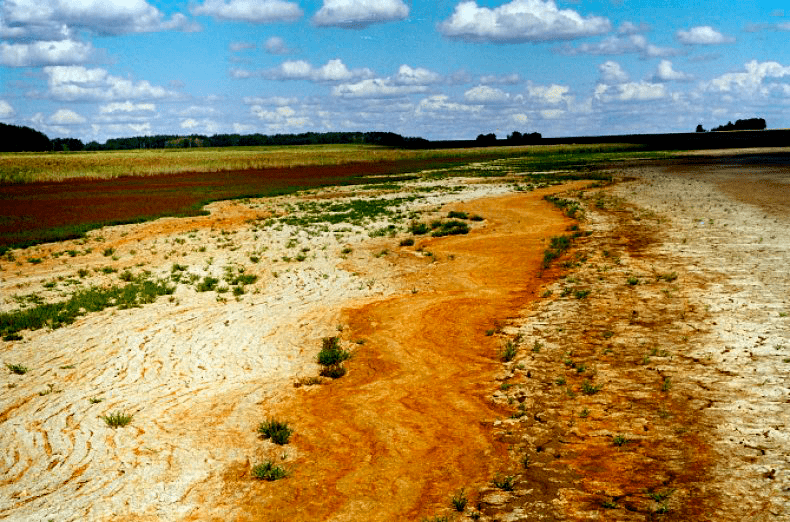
column 41, row 212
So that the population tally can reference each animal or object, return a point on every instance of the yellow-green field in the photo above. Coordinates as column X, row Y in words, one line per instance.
column 60, row 166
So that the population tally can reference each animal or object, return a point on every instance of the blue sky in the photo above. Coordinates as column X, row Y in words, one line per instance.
column 448, row 69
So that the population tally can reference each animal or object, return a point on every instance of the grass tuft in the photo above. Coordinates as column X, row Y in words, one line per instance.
column 268, row 470
column 17, row 368
column 117, row 419
column 278, row 431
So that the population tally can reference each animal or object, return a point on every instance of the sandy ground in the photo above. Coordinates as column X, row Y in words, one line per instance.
column 663, row 398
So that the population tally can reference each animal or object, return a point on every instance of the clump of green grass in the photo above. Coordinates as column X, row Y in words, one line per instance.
column 268, row 470
column 450, row 228
column 633, row 280
column 407, row 242
column 418, row 228
column 557, row 246
column 455, row 214
column 94, row 299
column 505, row 483
column 207, row 284
column 459, row 500
column 18, row 369
column 117, row 419
column 278, row 431
column 589, row 388
column 331, row 352
column 509, row 351
column 619, row 440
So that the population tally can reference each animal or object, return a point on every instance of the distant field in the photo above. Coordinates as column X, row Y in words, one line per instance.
column 61, row 166
column 55, row 196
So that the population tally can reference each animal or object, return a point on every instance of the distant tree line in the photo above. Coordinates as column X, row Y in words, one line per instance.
column 15, row 139
column 750, row 124
column 514, row 138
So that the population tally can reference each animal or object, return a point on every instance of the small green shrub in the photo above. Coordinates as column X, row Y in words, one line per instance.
column 268, row 470
column 419, row 229
column 117, row 419
column 17, row 368
column 633, row 280
column 333, row 371
column 589, row 388
column 454, row 214
column 509, row 351
column 505, row 483
column 407, row 242
column 279, row 432
column 450, row 228
column 619, row 440
column 207, row 284
column 108, row 252
column 459, row 500
column 331, row 352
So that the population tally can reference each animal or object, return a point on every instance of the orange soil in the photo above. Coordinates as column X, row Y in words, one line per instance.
column 410, row 423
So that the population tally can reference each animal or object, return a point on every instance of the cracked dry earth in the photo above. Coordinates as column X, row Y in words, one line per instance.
column 649, row 379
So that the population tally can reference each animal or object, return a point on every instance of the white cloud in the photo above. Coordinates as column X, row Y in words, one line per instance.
column 357, row 14
column 440, row 103
column 6, row 111
column 666, row 73
column 333, row 71
column 56, row 52
column 611, row 73
column 282, row 119
column 505, row 79
column 520, row 21
column 76, row 82
column 614, row 45
column 631, row 28
column 276, row 45
column 415, row 76
column 126, row 107
column 272, row 100
column 486, row 95
column 702, row 35
column 632, row 91
column 241, row 46
column 243, row 128
column 66, row 117
column 254, row 11
column 55, row 19
column 240, row 74
column 751, row 81
column 375, row 88
column 551, row 114
column 520, row 118
column 407, row 80
column 551, row 94
column 206, row 126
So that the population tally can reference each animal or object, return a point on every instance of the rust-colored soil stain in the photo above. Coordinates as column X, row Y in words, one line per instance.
column 411, row 422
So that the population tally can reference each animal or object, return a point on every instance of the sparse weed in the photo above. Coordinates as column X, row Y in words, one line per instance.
column 268, row 470
column 509, row 351
column 278, row 431
column 117, row 419
column 459, row 500
column 619, row 440
column 505, row 483
column 17, row 368
column 589, row 388
column 331, row 352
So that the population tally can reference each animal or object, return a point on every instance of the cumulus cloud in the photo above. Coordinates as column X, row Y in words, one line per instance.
column 440, row 103
column 505, row 79
column 614, row 45
column 6, row 110
column 666, row 73
column 376, row 88
column 276, row 45
column 486, row 95
column 66, row 117
column 752, row 80
column 54, row 19
column 612, row 73
column 702, row 35
column 551, row 94
column 358, row 14
column 407, row 80
column 253, row 11
column 415, row 76
column 631, row 91
column 60, row 52
column 520, row 21
column 75, row 82
column 333, row 71
column 281, row 119
column 126, row 107
column 271, row 100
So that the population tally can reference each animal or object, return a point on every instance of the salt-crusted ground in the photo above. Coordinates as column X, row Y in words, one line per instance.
column 650, row 380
